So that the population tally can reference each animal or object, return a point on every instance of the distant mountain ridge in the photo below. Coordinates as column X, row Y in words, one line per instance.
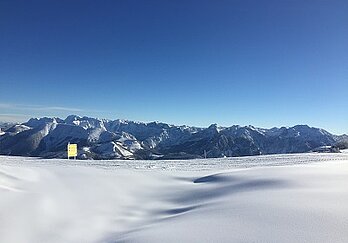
column 122, row 139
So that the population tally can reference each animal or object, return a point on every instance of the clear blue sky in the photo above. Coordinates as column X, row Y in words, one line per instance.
column 265, row 63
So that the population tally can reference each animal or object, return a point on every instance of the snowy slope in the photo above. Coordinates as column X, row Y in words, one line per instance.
column 291, row 198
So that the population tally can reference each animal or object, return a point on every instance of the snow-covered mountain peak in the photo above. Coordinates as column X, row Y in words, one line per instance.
column 36, row 122
column 101, row 138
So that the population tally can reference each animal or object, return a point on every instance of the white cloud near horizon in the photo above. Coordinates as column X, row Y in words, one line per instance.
column 13, row 117
column 10, row 112
column 38, row 107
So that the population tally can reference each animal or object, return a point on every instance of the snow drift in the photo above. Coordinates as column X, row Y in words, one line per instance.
column 297, row 198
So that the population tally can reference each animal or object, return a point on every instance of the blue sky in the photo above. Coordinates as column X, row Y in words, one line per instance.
column 265, row 63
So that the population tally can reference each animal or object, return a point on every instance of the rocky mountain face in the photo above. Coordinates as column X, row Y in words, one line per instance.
column 342, row 141
column 4, row 126
column 121, row 139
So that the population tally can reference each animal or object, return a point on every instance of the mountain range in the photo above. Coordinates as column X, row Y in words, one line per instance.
column 123, row 139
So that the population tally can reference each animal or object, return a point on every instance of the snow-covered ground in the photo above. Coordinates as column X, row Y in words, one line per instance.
column 344, row 151
column 276, row 198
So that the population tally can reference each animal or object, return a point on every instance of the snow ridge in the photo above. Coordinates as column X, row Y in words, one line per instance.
column 123, row 139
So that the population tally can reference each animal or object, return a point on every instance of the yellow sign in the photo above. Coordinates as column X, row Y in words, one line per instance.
column 72, row 150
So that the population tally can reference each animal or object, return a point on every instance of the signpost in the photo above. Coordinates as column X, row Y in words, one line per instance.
column 72, row 150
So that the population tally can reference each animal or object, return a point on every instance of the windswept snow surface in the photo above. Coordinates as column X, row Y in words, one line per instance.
column 277, row 198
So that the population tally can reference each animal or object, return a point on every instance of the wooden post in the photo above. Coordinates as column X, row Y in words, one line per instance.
column 67, row 151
